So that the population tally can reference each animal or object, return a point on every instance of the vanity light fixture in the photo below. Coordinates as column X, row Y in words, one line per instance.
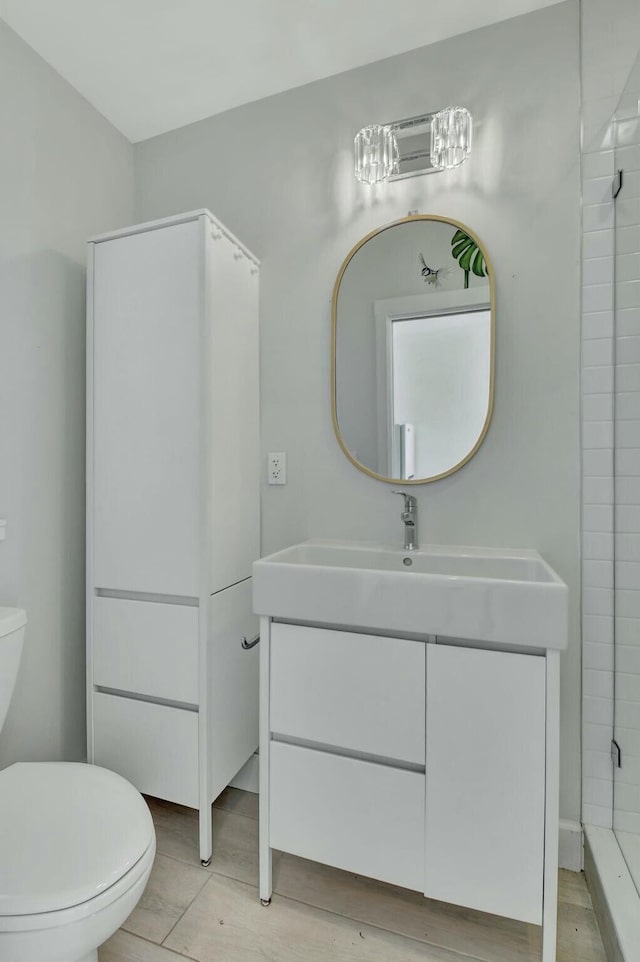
column 424, row 144
column 451, row 132
column 376, row 154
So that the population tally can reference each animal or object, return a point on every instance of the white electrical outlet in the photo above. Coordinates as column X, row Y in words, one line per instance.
column 277, row 467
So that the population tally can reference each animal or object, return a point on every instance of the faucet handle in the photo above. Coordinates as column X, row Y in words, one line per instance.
column 409, row 500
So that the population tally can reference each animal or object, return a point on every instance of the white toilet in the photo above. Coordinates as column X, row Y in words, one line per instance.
column 76, row 845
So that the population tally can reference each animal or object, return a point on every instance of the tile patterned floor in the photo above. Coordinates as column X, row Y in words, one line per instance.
column 318, row 913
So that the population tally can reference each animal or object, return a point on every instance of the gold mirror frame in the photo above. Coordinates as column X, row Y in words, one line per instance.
column 334, row 323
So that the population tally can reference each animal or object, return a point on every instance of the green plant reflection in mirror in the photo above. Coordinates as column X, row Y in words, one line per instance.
column 468, row 255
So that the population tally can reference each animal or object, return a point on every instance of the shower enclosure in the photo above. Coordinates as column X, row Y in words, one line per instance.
column 626, row 794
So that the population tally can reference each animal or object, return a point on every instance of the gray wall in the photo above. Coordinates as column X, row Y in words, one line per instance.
column 65, row 173
column 279, row 173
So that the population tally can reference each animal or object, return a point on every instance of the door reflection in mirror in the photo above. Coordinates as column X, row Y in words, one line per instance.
column 435, row 415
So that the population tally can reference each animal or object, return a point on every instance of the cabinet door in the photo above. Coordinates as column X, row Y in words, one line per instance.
column 485, row 786
column 354, row 814
column 362, row 693
column 146, row 649
column 232, row 728
column 155, row 747
column 147, row 311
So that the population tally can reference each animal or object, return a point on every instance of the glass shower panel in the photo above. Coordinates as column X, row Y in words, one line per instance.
column 626, row 805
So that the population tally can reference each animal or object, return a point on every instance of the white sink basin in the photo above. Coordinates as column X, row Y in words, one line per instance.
column 503, row 596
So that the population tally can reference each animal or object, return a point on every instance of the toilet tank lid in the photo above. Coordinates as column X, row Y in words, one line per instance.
column 11, row 619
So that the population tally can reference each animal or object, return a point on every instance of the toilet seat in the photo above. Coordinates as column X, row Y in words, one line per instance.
column 68, row 833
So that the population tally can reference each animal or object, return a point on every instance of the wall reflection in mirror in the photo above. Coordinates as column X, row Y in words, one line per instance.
column 413, row 349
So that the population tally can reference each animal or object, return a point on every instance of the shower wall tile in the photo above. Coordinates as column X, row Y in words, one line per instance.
column 598, row 243
column 598, row 324
column 628, row 240
column 599, row 711
column 599, row 816
column 627, row 822
column 627, row 350
column 627, row 631
column 597, row 791
column 597, row 434
column 598, row 629
column 628, row 266
column 598, row 573
column 601, row 658
column 597, row 544
column 597, row 464
column 628, row 377
column 597, row 352
column 627, row 575
column 597, row 297
column 597, row 379
column 597, row 684
column 629, row 157
column 627, row 519
column 597, row 518
column 598, row 407
column 597, row 216
column 597, row 601
column 597, row 765
column 628, row 547
column 627, row 434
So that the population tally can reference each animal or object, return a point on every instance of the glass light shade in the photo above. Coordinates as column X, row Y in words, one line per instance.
column 451, row 131
column 376, row 154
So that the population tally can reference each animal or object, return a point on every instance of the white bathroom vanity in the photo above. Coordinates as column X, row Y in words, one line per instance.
column 410, row 720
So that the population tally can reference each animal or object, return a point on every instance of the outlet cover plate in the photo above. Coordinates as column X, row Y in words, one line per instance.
column 277, row 467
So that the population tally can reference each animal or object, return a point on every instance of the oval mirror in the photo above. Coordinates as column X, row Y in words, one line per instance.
column 413, row 345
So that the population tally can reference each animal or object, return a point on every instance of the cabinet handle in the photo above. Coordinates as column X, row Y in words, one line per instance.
column 249, row 644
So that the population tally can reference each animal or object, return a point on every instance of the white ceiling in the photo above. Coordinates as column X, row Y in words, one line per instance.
column 153, row 65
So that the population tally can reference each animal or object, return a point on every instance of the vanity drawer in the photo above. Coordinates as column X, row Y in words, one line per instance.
column 153, row 746
column 373, row 825
column 362, row 693
column 146, row 648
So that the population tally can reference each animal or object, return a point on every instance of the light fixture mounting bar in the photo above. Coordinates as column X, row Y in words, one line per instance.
column 413, row 136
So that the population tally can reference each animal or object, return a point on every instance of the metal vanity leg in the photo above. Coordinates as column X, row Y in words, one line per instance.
column 206, row 835
column 551, row 821
column 266, row 882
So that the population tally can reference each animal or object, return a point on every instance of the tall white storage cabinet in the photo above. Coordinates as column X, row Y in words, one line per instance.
column 173, row 508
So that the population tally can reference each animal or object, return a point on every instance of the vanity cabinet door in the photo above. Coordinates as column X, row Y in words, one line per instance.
column 347, row 691
column 354, row 814
column 485, row 787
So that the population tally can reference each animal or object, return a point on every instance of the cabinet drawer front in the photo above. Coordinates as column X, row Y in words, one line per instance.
column 146, row 648
column 153, row 746
column 359, row 692
column 485, row 780
column 356, row 815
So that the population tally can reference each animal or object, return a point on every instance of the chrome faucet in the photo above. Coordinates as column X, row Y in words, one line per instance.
column 410, row 518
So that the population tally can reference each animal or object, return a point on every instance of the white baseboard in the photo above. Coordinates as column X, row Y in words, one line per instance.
column 247, row 778
column 570, row 846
